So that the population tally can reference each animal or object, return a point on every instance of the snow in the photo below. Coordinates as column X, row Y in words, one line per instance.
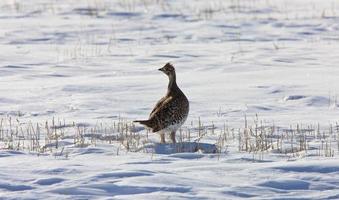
column 95, row 63
column 178, row 176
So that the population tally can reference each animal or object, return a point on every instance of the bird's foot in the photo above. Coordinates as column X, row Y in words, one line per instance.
column 162, row 138
column 173, row 137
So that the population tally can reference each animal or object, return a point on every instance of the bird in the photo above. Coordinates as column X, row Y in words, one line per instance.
column 171, row 111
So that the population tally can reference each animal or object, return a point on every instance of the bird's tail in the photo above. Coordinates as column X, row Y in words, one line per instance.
column 144, row 122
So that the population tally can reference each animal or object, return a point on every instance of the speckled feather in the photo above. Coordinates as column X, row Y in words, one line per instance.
column 171, row 111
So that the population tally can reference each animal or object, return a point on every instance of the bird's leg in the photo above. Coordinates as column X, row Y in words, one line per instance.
column 173, row 137
column 162, row 138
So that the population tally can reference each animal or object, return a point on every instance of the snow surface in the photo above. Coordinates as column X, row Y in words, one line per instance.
column 90, row 61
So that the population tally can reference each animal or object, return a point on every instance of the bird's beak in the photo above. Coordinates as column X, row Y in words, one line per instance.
column 160, row 69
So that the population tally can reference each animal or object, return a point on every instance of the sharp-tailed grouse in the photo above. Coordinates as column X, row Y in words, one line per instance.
column 171, row 111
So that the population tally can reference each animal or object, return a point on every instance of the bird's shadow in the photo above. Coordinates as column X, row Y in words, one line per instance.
column 183, row 147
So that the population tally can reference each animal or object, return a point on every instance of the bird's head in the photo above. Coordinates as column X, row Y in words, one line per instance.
column 168, row 69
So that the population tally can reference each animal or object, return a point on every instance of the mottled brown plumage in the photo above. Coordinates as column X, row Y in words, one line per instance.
column 171, row 111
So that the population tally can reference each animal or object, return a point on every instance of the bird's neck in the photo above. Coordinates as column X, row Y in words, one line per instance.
column 172, row 85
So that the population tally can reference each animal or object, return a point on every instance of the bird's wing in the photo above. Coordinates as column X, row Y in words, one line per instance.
column 160, row 105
